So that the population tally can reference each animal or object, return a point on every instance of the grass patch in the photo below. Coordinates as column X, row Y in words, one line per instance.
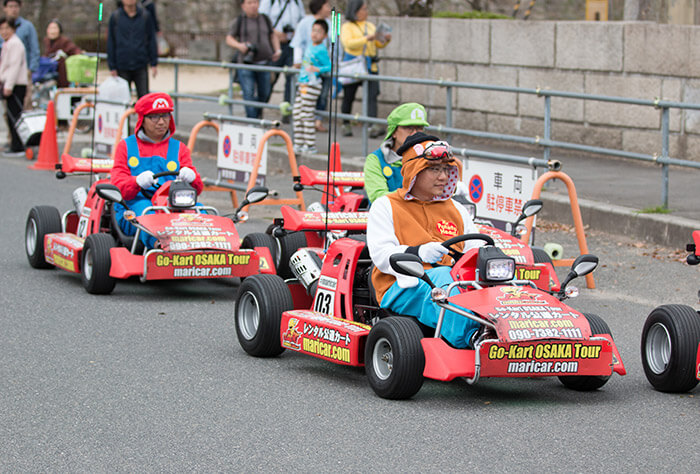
column 472, row 15
column 655, row 210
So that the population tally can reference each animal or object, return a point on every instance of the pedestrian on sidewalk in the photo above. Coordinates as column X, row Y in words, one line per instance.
column 59, row 47
column 358, row 37
column 285, row 16
column 13, row 77
column 253, row 38
column 316, row 62
column 131, row 45
column 382, row 168
column 320, row 10
column 25, row 31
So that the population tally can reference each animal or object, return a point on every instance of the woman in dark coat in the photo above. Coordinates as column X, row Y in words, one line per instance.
column 55, row 42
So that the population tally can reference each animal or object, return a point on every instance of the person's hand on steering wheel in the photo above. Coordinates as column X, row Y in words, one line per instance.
column 146, row 179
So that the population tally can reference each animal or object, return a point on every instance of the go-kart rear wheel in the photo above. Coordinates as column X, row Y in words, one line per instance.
column 260, row 302
column 259, row 239
column 394, row 358
column 96, row 263
column 42, row 220
column 587, row 383
column 289, row 243
column 670, row 341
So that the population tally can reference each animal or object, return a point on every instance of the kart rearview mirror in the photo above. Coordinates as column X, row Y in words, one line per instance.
column 583, row 265
column 530, row 208
column 109, row 192
column 410, row 265
column 256, row 194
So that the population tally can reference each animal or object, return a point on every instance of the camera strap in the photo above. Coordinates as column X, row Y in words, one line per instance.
column 281, row 13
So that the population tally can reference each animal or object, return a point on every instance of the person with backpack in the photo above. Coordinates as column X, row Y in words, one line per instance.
column 252, row 36
column 131, row 45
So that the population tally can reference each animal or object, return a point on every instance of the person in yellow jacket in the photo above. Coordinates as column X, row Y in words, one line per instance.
column 357, row 35
column 416, row 219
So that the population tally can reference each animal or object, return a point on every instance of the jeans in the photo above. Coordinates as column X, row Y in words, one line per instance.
column 249, row 81
column 322, row 100
column 286, row 59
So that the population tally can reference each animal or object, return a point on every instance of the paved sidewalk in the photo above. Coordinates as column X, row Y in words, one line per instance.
column 611, row 191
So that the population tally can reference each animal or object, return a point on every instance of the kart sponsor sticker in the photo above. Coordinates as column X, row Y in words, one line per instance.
column 337, row 178
column 549, row 358
column 62, row 250
column 328, row 338
column 510, row 246
column 190, row 231
column 166, row 265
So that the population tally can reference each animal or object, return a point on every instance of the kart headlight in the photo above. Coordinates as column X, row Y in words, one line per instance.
column 494, row 265
column 182, row 195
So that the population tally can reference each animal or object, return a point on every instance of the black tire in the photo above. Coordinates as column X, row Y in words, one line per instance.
column 670, row 341
column 42, row 220
column 289, row 243
column 587, row 383
column 95, row 263
column 541, row 256
column 394, row 358
column 259, row 239
column 260, row 302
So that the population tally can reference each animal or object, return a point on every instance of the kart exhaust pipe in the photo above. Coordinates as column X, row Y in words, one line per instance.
column 306, row 266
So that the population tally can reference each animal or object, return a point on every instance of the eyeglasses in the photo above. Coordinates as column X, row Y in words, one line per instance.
column 412, row 128
column 437, row 151
column 157, row 117
column 438, row 170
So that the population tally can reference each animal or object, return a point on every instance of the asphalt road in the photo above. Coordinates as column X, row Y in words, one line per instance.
column 151, row 378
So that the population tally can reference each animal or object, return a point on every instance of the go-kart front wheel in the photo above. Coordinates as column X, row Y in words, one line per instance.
column 42, row 220
column 394, row 358
column 670, row 341
column 587, row 383
column 96, row 263
column 260, row 302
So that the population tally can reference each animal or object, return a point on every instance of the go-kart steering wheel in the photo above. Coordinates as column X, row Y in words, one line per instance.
column 456, row 254
column 149, row 194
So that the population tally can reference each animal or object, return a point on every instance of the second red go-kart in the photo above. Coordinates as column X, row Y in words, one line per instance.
column 671, row 341
column 328, row 311
column 193, row 241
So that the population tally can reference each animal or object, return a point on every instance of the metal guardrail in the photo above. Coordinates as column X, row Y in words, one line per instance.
column 545, row 141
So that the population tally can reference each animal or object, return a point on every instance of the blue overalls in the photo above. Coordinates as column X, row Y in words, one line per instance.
column 138, row 164
column 394, row 179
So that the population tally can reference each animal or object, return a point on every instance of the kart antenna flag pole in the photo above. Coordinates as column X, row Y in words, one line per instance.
column 94, row 97
column 333, row 115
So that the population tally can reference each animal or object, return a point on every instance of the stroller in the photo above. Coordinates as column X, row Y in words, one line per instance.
column 44, row 81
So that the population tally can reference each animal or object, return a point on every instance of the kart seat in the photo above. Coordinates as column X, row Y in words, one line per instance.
column 126, row 240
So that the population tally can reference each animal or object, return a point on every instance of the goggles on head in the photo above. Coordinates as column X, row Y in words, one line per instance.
column 436, row 151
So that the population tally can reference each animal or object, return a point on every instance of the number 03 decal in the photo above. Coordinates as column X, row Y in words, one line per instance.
column 324, row 301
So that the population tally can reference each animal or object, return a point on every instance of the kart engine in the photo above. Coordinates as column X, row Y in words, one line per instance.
column 306, row 266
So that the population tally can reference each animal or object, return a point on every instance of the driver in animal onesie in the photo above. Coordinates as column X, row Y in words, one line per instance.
column 150, row 150
column 416, row 219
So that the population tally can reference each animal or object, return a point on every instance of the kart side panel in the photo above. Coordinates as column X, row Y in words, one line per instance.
column 337, row 278
column 332, row 339
column 200, row 264
column 697, row 364
column 295, row 220
column 191, row 231
column 266, row 262
column 63, row 251
column 547, row 358
column 522, row 313
column 445, row 363
column 124, row 263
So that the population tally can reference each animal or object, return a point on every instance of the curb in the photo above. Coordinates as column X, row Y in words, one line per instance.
column 660, row 229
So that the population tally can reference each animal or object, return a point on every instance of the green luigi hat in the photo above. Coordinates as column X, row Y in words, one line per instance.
column 405, row 115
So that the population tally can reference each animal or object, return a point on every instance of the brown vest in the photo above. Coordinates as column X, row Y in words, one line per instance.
column 419, row 222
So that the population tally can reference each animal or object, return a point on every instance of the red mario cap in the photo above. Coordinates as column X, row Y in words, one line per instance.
column 154, row 103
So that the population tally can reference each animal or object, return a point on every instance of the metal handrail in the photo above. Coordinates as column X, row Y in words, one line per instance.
column 545, row 141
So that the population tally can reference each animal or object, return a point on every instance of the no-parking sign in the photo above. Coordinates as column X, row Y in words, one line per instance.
column 238, row 147
column 499, row 190
column 107, row 126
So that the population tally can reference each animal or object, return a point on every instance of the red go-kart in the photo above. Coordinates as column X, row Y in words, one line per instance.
column 327, row 310
column 671, row 341
column 193, row 241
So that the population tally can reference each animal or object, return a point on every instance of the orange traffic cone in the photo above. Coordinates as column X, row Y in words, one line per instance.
column 48, row 146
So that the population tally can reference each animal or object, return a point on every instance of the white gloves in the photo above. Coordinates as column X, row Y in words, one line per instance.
column 187, row 174
column 145, row 179
column 431, row 252
column 461, row 189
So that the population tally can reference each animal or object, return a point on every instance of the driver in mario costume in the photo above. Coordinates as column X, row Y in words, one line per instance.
column 150, row 150
column 416, row 219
